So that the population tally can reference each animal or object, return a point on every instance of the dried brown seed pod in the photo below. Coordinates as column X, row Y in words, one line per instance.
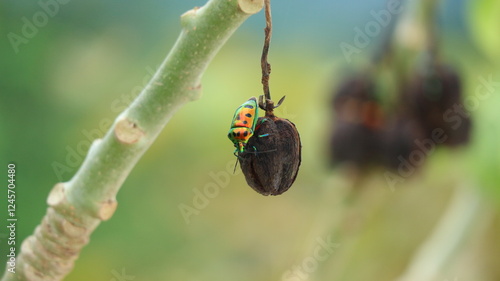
column 272, row 156
column 402, row 137
column 433, row 97
column 355, row 144
column 359, row 119
column 358, row 86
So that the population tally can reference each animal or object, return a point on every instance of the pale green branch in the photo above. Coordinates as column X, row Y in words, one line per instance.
column 78, row 206
column 465, row 211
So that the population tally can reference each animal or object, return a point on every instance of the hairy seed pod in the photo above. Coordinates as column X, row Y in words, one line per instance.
column 272, row 157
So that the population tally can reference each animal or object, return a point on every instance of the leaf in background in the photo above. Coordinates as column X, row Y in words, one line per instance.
column 485, row 150
column 484, row 17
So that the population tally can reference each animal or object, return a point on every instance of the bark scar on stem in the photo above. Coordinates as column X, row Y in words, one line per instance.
column 56, row 195
column 127, row 132
column 188, row 18
column 250, row 6
column 107, row 209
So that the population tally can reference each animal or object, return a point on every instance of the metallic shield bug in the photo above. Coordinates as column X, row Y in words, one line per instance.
column 243, row 124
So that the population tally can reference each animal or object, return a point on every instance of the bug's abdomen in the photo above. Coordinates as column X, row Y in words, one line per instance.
column 240, row 134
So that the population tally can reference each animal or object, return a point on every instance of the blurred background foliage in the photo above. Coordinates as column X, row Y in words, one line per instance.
column 69, row 81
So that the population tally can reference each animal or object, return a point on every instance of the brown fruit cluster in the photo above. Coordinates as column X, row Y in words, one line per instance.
column 356, row 137
column 425, row 116
column 432, row 97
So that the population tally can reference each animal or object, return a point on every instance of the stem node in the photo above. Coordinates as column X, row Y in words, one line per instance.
column 127, row 132
column 250, row 6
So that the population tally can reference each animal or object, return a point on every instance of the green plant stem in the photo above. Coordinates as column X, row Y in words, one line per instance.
column 465, row 211
column 429, row 22
column 78, row 206
column 416, row 28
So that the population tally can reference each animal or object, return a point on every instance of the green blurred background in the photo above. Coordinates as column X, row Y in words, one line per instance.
column 64, row 87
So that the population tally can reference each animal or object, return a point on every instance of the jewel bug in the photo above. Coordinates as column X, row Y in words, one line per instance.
column 268, row 148
column 243, row 124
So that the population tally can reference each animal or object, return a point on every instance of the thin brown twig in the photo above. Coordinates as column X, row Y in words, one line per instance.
column 266, row 67
column 430, row 8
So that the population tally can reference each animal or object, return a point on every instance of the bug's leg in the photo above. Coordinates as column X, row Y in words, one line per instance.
column 236, row 164
column 267, row 151
column 239, row 150
column 259, row 152
column 263, row 135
